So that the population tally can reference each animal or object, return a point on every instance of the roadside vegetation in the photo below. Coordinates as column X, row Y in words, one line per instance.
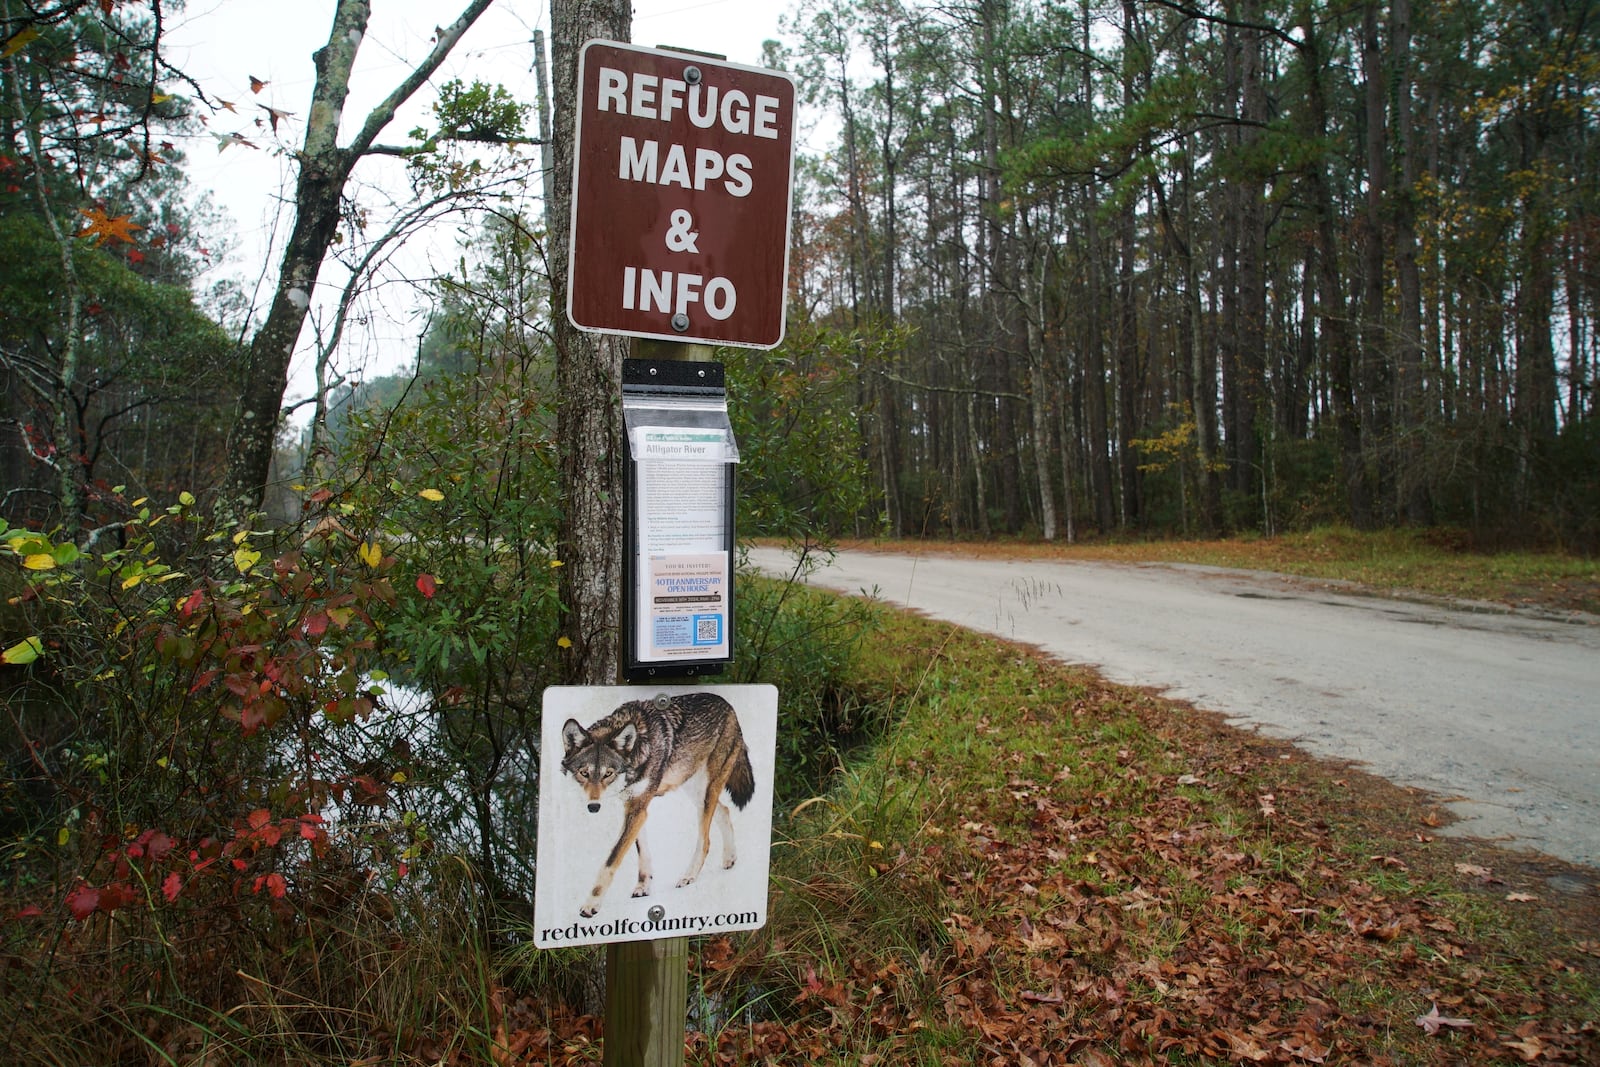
column 982, row 856
column 1034, row 866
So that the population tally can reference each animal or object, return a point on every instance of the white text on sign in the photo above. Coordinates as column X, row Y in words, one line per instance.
column 641, row 162
column 646, row 96
column 650, row 290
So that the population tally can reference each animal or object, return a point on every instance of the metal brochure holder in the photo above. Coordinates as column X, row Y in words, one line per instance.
column 678, row 516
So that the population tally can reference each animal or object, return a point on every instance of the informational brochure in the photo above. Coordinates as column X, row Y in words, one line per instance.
column 683, row 570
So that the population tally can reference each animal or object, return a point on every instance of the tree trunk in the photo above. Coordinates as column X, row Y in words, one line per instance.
column 1128, row 371
column 975, row 452
column 588, row 386
column 1412, row 476
column 1337, row 346
column 1376, row 382
column 1039, row 391
column 324, row 168
column 1094, row 373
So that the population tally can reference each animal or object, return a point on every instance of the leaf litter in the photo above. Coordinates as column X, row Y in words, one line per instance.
column 1177, row 891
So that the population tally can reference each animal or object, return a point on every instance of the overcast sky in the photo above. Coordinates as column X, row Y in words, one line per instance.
column 223, row 44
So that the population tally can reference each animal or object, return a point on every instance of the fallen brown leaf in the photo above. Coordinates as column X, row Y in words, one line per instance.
column 1433, row 1021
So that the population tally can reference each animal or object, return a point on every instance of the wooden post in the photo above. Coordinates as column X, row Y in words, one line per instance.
column 647, row 982
column 647, row 1001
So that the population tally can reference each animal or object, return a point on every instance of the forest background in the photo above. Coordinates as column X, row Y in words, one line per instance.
column 1066, row 271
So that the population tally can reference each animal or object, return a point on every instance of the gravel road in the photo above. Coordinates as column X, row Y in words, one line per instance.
column 1498, row 713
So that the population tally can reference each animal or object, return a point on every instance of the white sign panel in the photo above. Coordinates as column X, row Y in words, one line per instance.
column 655, row 812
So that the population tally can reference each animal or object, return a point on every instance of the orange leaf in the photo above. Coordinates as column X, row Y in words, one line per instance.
column 104, row 228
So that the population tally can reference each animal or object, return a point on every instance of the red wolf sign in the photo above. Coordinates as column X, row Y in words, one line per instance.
column 655, row 811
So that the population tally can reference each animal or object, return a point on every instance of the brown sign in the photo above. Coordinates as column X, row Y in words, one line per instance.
column 680, row 197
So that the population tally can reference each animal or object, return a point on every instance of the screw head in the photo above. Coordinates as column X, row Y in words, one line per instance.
column 680, row 322
column 691, row 74
column 656, row 913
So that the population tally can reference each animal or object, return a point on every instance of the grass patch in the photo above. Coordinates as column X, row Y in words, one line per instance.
column 1036, row 866
column 1434, row 562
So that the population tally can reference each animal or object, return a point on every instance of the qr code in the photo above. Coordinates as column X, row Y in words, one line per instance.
column 707, row 629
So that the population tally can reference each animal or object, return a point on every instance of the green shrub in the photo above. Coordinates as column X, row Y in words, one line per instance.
column 804, row 642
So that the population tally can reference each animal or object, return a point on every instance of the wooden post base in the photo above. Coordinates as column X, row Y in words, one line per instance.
column 647, row 999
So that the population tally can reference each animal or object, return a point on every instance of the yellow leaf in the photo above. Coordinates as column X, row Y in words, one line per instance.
column 370, row 554
column 556, row 563
column 398, row 777
column 563, row 642
column 19, row 41
column 186, row 498
column 25, row 651
column 132, row 580
column 244, row 559
column 63, row 835
column 430, row 494
column 160, row 98
column 40, row 561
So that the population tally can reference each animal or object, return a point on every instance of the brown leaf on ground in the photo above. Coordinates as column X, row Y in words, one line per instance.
column 1432, row 1022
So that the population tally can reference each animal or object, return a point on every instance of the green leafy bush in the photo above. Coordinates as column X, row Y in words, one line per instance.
column 804, row 642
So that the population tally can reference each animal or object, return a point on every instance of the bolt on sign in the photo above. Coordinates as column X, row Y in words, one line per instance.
column 681, row 186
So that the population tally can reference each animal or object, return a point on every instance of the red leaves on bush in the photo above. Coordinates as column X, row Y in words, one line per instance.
column 155, row 858
column 83, row 901
column 274, row 883
column 427, row 585
column 153, row 845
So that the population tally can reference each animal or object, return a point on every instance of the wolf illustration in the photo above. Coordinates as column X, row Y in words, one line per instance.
column 647, row 748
